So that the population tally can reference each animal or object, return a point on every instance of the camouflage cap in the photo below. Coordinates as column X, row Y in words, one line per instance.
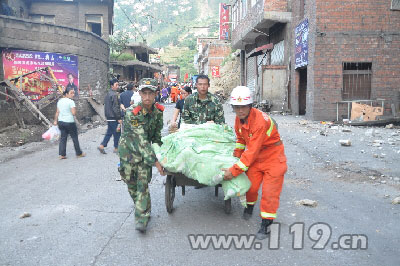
column 148, row 83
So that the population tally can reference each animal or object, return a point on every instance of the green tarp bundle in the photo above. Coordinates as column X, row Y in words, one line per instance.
column 199, row 153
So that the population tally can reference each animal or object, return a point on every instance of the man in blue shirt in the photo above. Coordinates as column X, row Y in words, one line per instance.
column 125, row 98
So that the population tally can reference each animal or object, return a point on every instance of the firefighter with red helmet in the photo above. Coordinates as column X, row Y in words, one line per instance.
column 261, row 155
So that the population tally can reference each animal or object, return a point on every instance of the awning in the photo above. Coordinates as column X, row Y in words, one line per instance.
column 260, row 50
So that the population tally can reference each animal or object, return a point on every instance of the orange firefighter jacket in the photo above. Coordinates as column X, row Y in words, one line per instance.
column 253, row 137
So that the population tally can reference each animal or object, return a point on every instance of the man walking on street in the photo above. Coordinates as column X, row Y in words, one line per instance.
column 142, row 127
column 113, row 116
column 261, row 155
column 125, row 98
column 202, row 106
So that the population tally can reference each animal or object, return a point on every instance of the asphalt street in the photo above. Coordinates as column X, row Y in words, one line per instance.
column 81, row 216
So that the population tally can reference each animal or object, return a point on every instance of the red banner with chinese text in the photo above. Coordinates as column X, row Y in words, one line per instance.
column 223, row 22
column 215, row 72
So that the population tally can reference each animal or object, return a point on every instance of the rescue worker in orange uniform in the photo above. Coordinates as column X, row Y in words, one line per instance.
column 261, row 155
column 174, row 93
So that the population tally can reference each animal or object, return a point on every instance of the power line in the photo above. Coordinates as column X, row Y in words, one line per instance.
column 144, row 40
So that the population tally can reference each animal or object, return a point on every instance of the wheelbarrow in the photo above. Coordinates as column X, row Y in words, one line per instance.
column 179, row 180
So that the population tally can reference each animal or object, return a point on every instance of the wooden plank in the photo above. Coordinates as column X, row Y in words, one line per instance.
column 17, row 110
column 28, row 103
column 42, row 103
column 394, row 112
column 382, row 122
column 26, row 74
column 99, row 108
column 7, row 95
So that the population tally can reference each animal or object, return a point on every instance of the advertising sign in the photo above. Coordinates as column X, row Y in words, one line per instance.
column 19, row 62
column 301, row 49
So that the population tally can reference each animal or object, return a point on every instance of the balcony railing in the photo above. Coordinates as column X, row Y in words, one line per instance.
column 249, row 19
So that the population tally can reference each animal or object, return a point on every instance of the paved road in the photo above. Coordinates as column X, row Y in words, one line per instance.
column 82, row 216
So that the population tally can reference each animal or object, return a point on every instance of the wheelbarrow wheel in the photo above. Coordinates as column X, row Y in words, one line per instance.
column 228, row 206
column 169, row 193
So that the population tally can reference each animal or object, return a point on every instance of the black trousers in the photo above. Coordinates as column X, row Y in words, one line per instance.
column 68, row 129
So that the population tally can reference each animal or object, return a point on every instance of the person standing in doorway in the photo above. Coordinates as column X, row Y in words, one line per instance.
column 65, row 119
column 113, row 116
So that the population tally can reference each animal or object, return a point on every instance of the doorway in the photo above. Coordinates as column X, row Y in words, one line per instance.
column 302, row 91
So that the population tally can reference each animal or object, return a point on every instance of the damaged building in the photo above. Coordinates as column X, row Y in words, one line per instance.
column 318, row 58
column 211, row 54
column 139, row 67
column 48, row 30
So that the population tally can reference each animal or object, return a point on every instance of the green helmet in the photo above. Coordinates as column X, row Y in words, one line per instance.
column 148, row 83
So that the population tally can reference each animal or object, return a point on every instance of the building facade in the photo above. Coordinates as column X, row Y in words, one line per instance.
column 211, row 54
column 140, row 67
column 312, row 56
column 261, row 30
column 353, row 54
column 21, row 29
column 88, row 15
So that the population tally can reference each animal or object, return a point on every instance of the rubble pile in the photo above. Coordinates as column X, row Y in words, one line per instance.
column 230, row 77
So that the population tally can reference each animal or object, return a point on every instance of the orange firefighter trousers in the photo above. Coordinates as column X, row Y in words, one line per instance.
column 268, row 169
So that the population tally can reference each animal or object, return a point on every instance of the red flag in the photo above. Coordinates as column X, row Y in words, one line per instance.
column 186, row 77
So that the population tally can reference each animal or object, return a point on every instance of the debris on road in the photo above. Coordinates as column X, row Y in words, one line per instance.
column 396, row 200
column 307, row 202
column 370, row 132
column 25, row 215
column 345, row 142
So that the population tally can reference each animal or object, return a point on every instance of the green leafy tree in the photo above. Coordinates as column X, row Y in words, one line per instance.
column 118, row 42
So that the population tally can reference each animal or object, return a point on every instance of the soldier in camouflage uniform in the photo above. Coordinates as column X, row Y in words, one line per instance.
column 142, row 127
column 202, row 106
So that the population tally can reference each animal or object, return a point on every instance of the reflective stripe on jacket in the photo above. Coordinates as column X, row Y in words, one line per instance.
column 257, row 134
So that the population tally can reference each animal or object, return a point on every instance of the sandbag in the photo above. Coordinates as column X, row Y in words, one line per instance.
column 200, row 152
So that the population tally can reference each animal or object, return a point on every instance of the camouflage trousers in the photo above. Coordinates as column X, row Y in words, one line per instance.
column 137, row 177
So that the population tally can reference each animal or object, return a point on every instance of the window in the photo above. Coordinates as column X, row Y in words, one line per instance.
column 278, row 53
column 234, row 15
column 395, row 5
column 243, row 9
column 356, row 81
column 94, row 24
column 43, row 18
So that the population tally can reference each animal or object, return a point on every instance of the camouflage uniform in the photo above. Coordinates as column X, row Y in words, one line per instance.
column 196, row 111
column 141, row 128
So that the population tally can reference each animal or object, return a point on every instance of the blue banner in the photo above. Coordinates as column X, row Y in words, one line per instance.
column 301, row 49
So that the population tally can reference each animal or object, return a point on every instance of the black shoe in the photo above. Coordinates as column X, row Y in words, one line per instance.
column 101, row 150
column 264, row 230
column 141, row 227
column 248, row 212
